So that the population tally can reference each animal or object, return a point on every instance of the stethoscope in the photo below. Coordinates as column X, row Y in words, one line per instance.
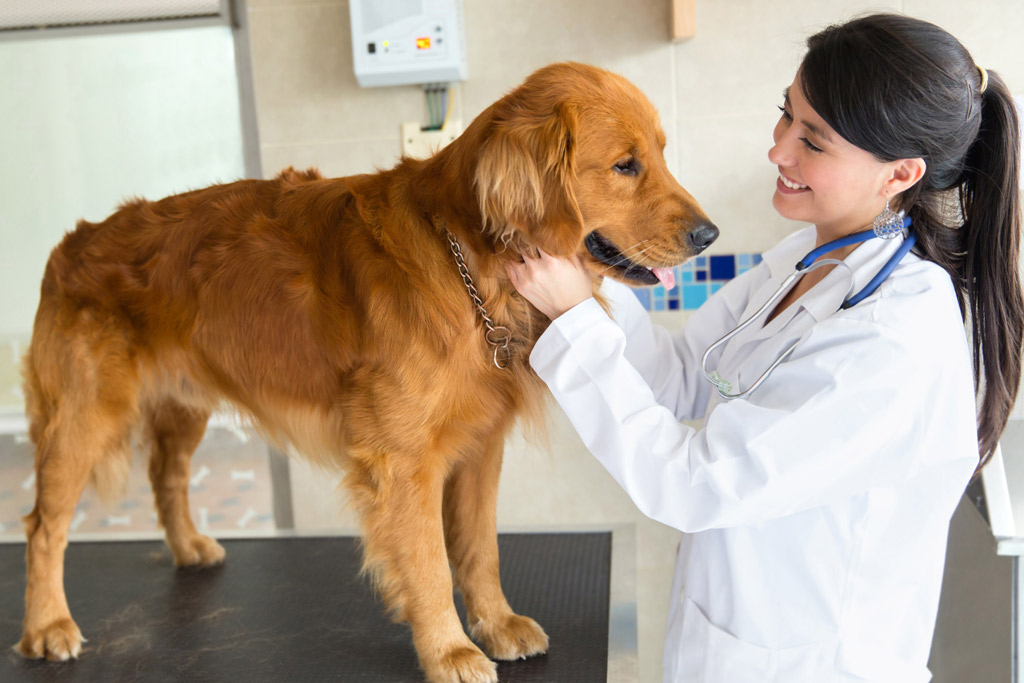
column 806, row 265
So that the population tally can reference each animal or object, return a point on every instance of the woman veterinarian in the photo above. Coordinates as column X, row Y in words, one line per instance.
column 817, row 505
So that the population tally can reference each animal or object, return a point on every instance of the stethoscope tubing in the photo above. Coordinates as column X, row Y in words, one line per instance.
column 805, row 265
column 783, row 288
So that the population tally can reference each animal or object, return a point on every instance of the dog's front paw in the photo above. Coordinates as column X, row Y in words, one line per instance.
column 514, row 637
column 197, row 551
column 60, row 641
column 462, row 665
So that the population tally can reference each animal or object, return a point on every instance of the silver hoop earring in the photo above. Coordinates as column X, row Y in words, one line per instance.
column 889, row 223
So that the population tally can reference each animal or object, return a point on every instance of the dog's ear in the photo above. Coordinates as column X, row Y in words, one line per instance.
column 524, row 177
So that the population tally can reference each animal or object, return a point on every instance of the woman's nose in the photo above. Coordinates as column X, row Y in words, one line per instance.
column 781, row 153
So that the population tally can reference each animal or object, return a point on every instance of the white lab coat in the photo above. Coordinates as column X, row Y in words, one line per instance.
column 816, row 510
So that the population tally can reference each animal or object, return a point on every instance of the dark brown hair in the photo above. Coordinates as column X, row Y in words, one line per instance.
column 902, row 88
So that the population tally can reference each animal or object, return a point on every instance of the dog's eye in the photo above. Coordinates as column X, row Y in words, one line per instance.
column 627, row 167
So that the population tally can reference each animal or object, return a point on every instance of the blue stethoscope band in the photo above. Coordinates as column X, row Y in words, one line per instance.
column 857, row 238
column 804, row 266
column 908, row 243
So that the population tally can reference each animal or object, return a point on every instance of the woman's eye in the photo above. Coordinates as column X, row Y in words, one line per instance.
column 810, row 145
column 627, row 167
column 807, row 143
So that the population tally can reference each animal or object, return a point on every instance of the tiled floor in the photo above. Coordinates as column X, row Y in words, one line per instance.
column 230, row 489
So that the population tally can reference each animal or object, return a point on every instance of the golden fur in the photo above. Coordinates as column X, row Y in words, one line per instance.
column 331, row 312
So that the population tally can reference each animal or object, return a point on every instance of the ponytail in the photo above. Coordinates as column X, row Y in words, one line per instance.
column 990, row 196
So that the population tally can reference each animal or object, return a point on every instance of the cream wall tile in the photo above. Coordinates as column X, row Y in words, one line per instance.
column 670, row 126
column 724, row 164
column 306, row 89
column 746, row 51
column 993, row 32
column 332, row 159
column 319, row 503
column 506, row 41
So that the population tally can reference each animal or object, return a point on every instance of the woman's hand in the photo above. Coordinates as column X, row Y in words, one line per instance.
column 552, row 284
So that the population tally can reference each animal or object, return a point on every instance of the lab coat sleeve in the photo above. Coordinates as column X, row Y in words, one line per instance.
column 671, row 364
column 814, row 432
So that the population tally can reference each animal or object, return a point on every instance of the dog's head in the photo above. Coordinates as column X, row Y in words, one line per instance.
column 573, row 162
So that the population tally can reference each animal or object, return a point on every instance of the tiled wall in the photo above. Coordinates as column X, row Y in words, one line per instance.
column 696, row 280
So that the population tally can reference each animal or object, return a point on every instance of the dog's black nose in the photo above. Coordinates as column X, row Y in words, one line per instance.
column 703, row 236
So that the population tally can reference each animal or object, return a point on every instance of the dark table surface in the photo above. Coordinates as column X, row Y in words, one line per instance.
column 294, row 609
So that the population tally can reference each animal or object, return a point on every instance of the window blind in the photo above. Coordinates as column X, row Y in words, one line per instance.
column 23, row 14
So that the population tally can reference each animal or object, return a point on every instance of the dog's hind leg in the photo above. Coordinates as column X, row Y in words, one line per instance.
column 80, row 420
column 470, row 501
column 174, row 431
column 404, row 547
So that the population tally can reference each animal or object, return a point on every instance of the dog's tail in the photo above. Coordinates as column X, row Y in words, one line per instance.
column 68, row 403
column 110, row 475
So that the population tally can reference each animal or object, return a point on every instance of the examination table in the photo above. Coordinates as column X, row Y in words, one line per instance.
column 294, row 608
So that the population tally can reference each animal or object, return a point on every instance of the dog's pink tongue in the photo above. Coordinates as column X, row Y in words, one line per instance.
column 666, row 276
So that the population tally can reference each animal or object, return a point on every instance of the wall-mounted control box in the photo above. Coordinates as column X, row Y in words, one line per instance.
column 407, row 42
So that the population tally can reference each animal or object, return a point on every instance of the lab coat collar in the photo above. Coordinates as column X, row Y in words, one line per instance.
column 825, row 298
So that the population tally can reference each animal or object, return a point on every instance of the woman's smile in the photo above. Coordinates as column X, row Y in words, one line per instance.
column 787, row 185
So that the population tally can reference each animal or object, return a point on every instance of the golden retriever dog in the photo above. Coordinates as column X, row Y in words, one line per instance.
column 334, row 314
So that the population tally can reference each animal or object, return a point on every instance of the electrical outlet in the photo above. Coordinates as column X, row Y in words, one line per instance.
column 421, row 144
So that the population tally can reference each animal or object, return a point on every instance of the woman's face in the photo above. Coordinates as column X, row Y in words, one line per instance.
column 823, row 179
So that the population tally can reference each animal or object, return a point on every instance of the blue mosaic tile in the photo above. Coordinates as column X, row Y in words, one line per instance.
column 644, row 295
column 723, row 267
column 694, row 296
column 697, row 279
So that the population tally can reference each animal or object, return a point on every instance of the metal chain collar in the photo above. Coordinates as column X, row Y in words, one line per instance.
column 497, row 336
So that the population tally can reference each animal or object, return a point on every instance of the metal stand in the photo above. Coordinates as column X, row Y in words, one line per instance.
column 1017, row 627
